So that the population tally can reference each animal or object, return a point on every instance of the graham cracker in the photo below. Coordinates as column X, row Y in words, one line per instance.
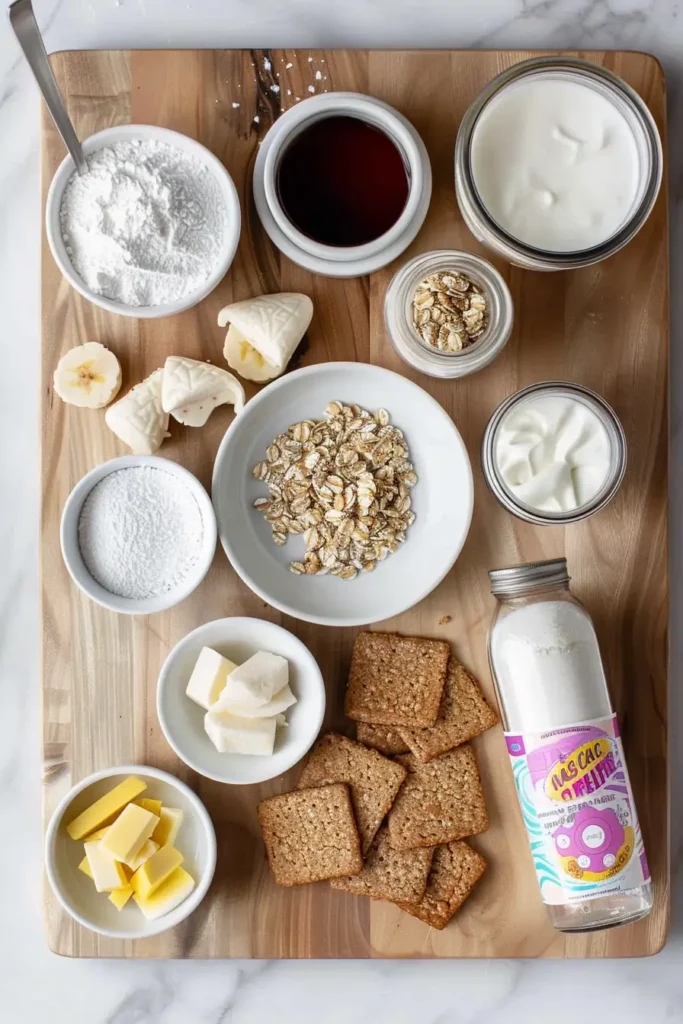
column 389, row 874
column 464, row 714
column 372, row 779
column 396, row 680
column 382, row 738
column 439, row 801
column 456, row 869
column 310, row 835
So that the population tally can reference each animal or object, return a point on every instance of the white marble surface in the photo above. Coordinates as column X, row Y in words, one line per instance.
column 36, row 986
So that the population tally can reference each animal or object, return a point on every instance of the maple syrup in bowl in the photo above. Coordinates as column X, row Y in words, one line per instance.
column 342, row 184
column 342, row 181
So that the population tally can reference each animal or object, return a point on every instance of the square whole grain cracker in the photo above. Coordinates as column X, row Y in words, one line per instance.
column 439, row 801
column 389, row 874
column 382, row 738
column 372, row 779
column 464, row 714
column 311, row 835
column 396, row 680
column 456, row 869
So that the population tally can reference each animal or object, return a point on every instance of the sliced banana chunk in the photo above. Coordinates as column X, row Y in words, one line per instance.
column 88, row 376
column 264, row 332
column 191, row 390
column 138, row 418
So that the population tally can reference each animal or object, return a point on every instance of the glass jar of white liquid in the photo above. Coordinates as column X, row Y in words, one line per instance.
column 567, row 758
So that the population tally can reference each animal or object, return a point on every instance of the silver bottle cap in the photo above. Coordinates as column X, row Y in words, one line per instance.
column 518, row 579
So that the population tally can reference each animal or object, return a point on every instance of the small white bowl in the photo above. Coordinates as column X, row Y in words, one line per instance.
column 71, row 551
column 76, row 892
column 442, row 498
column 128, row 133
column 183, row 721
column 342, row 261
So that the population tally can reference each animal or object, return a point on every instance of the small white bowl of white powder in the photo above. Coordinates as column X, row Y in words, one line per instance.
column 151, row 228
column 138, row 534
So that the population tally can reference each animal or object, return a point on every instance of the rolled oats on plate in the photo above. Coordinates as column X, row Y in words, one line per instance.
column 344, row 484
column 449, row 311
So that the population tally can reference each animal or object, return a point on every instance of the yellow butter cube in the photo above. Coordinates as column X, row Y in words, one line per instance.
column 155, row 871
column 107, row 873
column 143, row 854
column 119, row 897
column 130, row 831
column 169, row 895
column 104, row 810
column 170, row 820
column 100, row 834
column 85, row 868
column 150, row 805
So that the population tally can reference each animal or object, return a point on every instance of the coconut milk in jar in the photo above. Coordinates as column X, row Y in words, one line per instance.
column 567, row 758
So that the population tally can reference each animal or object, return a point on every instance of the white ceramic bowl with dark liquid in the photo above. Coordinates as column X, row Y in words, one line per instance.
column 309, row 248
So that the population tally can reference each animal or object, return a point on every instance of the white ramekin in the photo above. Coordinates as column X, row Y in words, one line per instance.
column 71, row 551
column 342, row 261
column 128, row 133
column 77, row 894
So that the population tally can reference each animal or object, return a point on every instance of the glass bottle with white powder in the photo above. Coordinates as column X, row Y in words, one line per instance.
column 567, row 757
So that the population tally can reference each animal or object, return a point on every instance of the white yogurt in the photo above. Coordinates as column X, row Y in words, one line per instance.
column 552, row 453
column 555, row 163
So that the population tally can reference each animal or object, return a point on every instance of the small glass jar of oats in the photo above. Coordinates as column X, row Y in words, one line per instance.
column 448, row 313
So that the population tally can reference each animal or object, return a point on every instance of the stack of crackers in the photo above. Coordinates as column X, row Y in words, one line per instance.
column 385, row 815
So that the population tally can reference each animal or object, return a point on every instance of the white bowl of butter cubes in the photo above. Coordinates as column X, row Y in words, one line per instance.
column 130, row 852
column 240, row 700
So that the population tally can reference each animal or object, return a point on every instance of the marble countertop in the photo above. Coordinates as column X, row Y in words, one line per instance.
column 35, row 985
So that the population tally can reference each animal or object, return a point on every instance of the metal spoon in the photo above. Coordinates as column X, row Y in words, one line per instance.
column 23, row 21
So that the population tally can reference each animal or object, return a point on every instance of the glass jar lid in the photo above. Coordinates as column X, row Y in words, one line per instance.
column 521, row 579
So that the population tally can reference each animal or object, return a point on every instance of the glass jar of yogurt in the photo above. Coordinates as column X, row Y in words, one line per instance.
column 566, row 752
column 558, row 163
column 554, row 453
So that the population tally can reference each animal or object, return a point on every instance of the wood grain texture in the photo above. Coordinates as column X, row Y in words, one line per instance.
column 605, row 327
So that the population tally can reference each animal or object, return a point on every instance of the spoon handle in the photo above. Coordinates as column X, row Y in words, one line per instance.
column 23, row 22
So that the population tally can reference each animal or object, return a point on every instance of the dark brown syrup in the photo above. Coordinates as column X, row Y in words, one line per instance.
column 342, row 182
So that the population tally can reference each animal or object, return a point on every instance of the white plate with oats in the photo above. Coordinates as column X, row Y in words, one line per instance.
column 354, row 522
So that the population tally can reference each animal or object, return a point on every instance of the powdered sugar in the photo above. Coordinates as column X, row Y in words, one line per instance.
column 146, row 224
column 140, row 532
column 548, row 666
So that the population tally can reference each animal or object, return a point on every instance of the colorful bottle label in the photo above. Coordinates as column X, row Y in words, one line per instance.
column 578, row 809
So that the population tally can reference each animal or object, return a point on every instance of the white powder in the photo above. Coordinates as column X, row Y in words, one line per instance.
column 145, row 225
column 548, row 667
column 140, row 532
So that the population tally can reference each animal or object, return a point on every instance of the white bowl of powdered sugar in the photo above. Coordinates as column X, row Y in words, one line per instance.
column 151, row 228
column 138, row 534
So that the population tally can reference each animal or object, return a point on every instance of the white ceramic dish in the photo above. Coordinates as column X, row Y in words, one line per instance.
column 126, row 133
column 76, row 892
column 183, row 721
column 342, row 261
column 71, row 551
column 442, row 498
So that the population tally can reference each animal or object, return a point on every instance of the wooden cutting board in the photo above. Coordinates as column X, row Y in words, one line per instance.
column 606, row 327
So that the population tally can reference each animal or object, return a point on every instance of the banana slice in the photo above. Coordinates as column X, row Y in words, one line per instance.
column 245, row 359
column 191, row 390
column 138, row 418
column 264, row 332
column 88, row 376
